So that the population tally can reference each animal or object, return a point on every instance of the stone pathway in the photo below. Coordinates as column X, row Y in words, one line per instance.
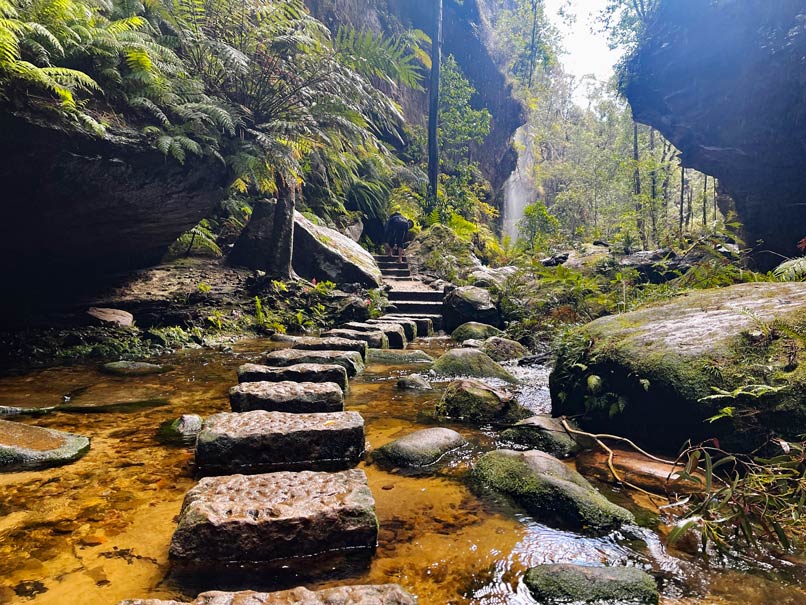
column 411, row 297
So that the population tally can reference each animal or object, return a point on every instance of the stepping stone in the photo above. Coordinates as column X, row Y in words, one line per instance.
column 24, row 447
column 260, row 441
column 301, row 372
column 425, row 327
column 394, row 332
column 380, row 594
column 349, row 360
column 408, row 325
column 287, row 396
column 276, row 517
column 374, row 340
column 330, row 343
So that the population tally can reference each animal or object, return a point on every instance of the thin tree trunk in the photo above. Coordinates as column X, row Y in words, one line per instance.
column 533, row 55
column 280, row 258
column 682, row 199
column 653, row 176
column 639, row 210
column 690, row 207
column 433, row 111
column 704, row 202
column 716, row 208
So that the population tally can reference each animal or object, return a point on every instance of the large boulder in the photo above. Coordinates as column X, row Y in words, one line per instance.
column 549, row 490
column 24, row 447
column 470, row 362
column 474, row 402
column 653, row 374
column 325, row 254
column 418, row 449
column 473, row 330
column 469, row 303
column 565, row 583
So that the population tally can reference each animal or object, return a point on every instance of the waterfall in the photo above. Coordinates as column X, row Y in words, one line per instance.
column 520, row 189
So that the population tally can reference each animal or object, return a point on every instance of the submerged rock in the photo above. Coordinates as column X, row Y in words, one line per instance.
column 474, row 402
column 24, row 447
column 503, row 349
column 473, row 330
column 549, row 490
column 274, row 517
column 421, row 448
column 564, row 583
column 183, row 430
column 542, row 433
column 651, row 374
column 113, row 397
column 469, row 304
column 470, row 362
column 132, row 368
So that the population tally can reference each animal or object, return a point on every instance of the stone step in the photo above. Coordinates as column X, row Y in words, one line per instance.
column 349, row 360
column 408, row 325
column 301, row 372
column 385, row 258
column 395, row 272
column 260, row 442
column 425, row 325
column 392, row 264
column 374, row 340
column 276, row 517
column 311, row 343
column 418, row 307
column 416, row 295
column 287, row 396
column 394, row 332
column 434, row 318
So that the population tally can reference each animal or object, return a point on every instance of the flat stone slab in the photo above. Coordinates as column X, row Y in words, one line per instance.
column 24, row 447
column 374, row 340
column 301, row 372
column 260, row 441
column 425, row 326
column 107, row 397
column 328, row 343
column 349, row 360
column 409, row 326
column 394, row 332
column 399, row 357
column 421, row 448
column 132, row 368
column 379, row 594
column 275, row 517
column 287, row 396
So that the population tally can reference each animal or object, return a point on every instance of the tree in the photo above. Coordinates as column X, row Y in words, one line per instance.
column 536, row 227
column 433, row 109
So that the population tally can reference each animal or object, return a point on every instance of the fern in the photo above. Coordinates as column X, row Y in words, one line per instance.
column 792, row 270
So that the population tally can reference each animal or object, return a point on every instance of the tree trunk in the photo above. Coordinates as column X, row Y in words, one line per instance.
column 704, row 202
column 653, row 176
column 281, row 255
column 433, row 111
column 639, row 207
column 682, row 199
column 533, row 50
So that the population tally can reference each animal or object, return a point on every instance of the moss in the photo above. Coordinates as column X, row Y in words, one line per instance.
column 471, row 362
column 474, row 330
column 473, row 401
column 563, row 583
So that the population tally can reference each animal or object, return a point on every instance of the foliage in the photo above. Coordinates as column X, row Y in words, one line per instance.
column 537, row 227
column 199, row 241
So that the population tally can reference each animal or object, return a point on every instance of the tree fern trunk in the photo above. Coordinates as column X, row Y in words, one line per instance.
column 433, row 111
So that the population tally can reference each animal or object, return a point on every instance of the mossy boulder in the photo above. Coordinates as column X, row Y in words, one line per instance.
column 549, row 490
column 474, row 402
column 542, row 433
column 565, row 583
column 653, row 374
column 474, row 330
column 418, row 449
column 440, row 252
column 503, row 349
column 470, row 362
column 469, row 304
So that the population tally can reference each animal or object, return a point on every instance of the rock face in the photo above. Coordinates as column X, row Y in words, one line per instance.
column 421, row 448
column 474, row 330
column 287, row 396
column 470, row 362
column 24, row 447
column 260, row 441
column 325, row 254
column 73, row 201
column 301, row 372
column 475, row 402
column 274, row 517
column 469, row 303
column 650, row 374
column 542, row 433
column 564, row 583
column 349, row 360
column 730, row 99
column 549, row 490
column 381, row 594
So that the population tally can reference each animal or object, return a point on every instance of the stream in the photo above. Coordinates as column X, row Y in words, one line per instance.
column 97, row 531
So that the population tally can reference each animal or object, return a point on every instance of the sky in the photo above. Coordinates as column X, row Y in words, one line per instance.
column 587, row 52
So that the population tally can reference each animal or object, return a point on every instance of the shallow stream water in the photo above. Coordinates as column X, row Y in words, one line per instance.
column 97, row 531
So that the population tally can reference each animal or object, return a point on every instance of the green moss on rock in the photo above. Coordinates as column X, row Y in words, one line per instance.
column 470, row 362
column 564, row 583
column 473, row 330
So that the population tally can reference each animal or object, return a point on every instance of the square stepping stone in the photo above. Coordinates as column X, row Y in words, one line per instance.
column 383, row 594
column 301, row 372
column 287, row 396
column 260, row 441
column 425, row 326
column 276, row 517
column 394, row 332
column 408, row 325
column 374, row 340
column 330, row 343
column 349, row 360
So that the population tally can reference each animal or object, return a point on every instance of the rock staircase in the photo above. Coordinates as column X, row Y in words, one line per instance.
column 411, row 297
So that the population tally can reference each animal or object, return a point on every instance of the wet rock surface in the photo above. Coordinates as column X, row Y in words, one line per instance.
column 374, row 340
column 24, row 447
column 470, row 362
column 301, row 372
column 542, row 433
column 564, row 583
column 349, row 360
column 421, row 448
column 260, row 441
column 182, row 430
column 549, row 490
column 287, row 396
column 469, row 304
column 276, row 516
column 475, row 402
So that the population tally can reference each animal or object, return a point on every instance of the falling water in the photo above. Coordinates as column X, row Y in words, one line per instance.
column 520, row 190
